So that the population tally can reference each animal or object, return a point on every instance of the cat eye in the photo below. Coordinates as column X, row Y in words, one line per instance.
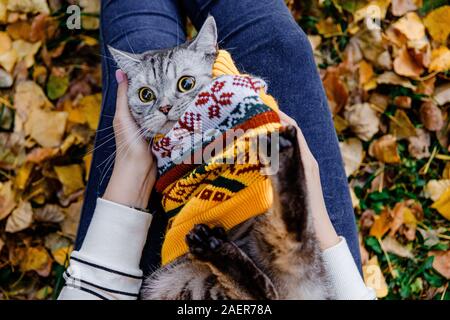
column 186, row 83
column 146, row 94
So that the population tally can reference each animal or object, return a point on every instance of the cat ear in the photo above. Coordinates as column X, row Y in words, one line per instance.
column 128, row 62
column 206, row 39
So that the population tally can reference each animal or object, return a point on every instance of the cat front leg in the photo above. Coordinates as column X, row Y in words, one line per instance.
column 211, row 246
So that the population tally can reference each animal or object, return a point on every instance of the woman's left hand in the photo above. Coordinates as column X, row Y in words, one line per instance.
column 325, row 232
column 134, row 172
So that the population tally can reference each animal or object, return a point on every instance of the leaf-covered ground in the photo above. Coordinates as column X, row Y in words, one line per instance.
column 384, row 66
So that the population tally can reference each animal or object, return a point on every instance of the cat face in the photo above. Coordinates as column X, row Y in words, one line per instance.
column 162, row 83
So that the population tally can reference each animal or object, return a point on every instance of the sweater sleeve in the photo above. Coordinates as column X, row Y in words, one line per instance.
column 344, row 274
column 107, row 265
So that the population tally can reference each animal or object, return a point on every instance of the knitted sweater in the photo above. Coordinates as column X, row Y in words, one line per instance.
column 197, row 187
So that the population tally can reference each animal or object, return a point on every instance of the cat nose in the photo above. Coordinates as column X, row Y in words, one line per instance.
column 165, row 109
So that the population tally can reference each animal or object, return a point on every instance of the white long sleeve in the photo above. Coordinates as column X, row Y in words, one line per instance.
column 107, row 265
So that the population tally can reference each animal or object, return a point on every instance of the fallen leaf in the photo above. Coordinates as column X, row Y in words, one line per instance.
column 23, row 175
column 440, row 60
column 363, row 120
column 385, row 150
column 7, row 201
column 411, row 26
column 419, row 144
column 391, row 245
column 390, row 77
column 381, row 224
column 8, row 60
column 442, row 94
column 336, row 91
column 403, row 102
column 328, row 28
column 405, row 65
column 373, row 277
column 442, row 205
column 57, row 85
column 71, row 177
column 20, row 219
column 91, row 106
column 379, row 100
column 400, row 7
column 26, row 51
column 28, row 6
column 46, row 127
column 6, row 79
column 61, row 255
column 352, row 154
column 38, row 155
column 69, row 226
column 37, row 259
column 441, row 262
column 365, row 72
column 435, row 188
column 431, row 116
column 431, row 236
column 363, row 252
column 401, row 126
column 49, row 213
column 5, row 42
column 437, row 23
column 2, row 244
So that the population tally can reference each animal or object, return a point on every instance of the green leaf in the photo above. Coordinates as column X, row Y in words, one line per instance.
column 57, row 86
column 373, row 244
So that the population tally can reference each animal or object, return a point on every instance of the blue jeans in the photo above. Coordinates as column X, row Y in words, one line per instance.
column 264, row 40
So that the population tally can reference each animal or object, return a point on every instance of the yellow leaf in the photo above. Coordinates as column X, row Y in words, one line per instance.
column 365, row 72
column 36, row 259
column 8, row 59
column 46, row 127
column 405, row 65
column 87, row 164
column 22, row 175
column 71, row 177
column 91, row 106
column 381, row 224
column 401, row 126
column 328, row 28
column 384, row 149
column 26, row 51
column 61, row 255
column 442, row 205
column 7, row 201
column 440, row 59
column 32, row 6
column 438, row 23
column 5, row 42
column 374, row 278
column 20, row 219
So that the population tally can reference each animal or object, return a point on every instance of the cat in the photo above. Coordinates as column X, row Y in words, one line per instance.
column 272, row 256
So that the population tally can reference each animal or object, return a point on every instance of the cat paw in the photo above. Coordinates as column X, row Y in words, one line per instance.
column 203, row 240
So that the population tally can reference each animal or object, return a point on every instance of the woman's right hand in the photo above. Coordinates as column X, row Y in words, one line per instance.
column 134, row 172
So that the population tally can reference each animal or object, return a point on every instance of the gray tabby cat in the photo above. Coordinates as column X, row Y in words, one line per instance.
column 273, row 256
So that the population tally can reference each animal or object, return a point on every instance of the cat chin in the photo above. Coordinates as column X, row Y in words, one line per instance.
column 166, row 127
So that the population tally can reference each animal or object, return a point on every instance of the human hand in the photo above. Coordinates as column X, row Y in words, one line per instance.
column 134, row 171
column 324, row 229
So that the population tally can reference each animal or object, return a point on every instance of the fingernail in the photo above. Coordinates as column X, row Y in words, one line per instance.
column 120, row 75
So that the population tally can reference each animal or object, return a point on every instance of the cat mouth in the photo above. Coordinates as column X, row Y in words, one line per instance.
column 165, row 128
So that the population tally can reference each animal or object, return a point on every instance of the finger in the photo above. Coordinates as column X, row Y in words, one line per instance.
column 286, row 120
column 122, row 109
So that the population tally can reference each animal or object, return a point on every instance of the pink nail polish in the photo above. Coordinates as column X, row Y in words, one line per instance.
column 120, row 75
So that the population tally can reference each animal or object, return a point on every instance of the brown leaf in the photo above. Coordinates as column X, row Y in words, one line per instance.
column 419, row 144
column 385, row 150
column 400, row 7
column 69, row 226
column 441, row 262
column 410, row 26
column 20, row 219
column 403, row 101
column 405, row 65
column 391, row 245
column 49, row 213
column 390, row 77
column 336, row 91
column 366, row 220
column 431, row 116
column 373, row 277
column 352, row 154
column 363, row 120
column 401, row 126
column 5, row 42
column 37, row 155
column 442, row 94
